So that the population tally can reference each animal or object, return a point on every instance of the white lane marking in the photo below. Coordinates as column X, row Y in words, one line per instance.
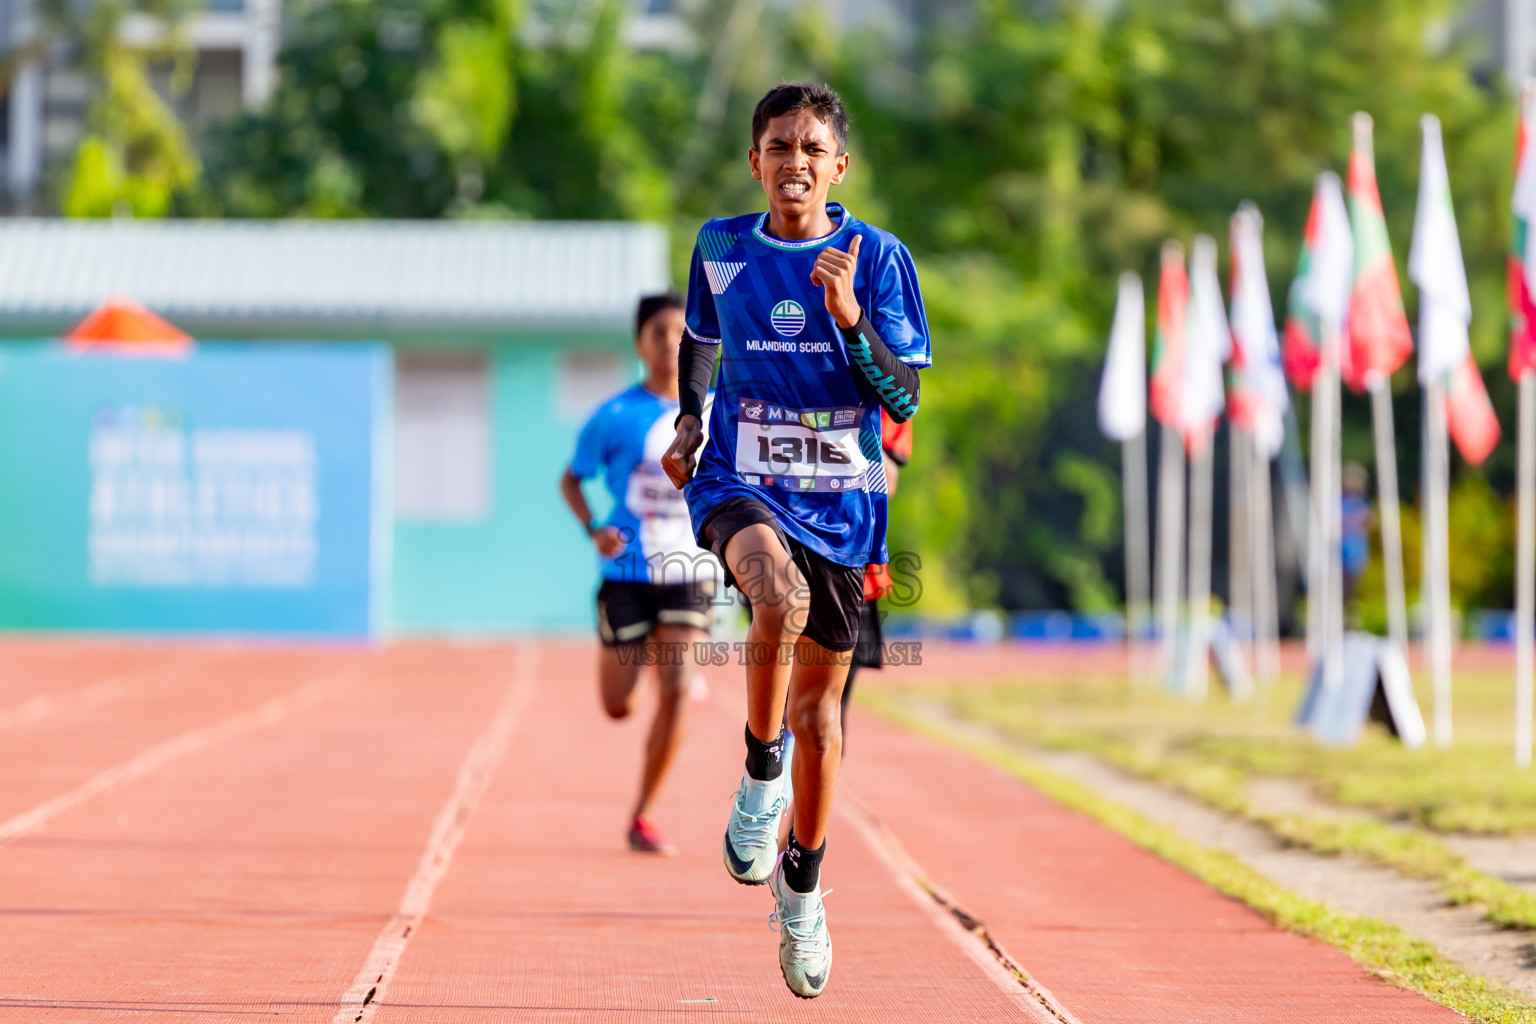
column 368, row 990
column 109, row 689
column 269, row 713
column 1001, row 969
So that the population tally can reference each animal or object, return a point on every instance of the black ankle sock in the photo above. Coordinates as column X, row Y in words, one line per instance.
column 765, row 761
column 802, row 867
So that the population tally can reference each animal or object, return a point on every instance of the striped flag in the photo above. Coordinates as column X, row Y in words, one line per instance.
column 1379, row 339
column 1259, row 398
column 1521, row 276
column 1123, row 387
column 1320, row 290
column 1168, row 342
column 1445, row 306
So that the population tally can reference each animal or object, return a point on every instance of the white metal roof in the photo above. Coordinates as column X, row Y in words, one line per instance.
column 416, row 274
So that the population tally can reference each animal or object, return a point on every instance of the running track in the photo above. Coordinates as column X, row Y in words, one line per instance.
column 433, row 833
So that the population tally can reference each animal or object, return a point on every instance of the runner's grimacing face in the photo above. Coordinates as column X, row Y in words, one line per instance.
column 796, row 159
column 658, row 342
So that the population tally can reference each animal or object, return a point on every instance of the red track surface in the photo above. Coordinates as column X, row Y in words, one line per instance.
column 209, row 833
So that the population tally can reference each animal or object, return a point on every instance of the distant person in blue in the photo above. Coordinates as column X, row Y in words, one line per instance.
column 817, row 324
column 1355, row 534
column 656, row 598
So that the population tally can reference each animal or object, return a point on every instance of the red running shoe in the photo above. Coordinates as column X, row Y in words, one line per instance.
column 645, row 837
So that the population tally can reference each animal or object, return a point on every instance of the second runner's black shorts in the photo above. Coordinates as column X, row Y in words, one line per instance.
column 627, row 612
column 836, row 591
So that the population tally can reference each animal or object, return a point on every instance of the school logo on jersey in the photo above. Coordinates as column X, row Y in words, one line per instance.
column 788, row 318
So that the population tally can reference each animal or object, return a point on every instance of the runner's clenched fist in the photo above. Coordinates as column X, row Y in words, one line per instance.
column 833, row 274
column 679, row 460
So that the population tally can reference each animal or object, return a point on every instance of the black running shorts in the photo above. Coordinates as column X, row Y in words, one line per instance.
column 836, row 591
column 627, row 612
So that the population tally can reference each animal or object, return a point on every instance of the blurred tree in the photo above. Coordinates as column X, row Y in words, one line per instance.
column 1026, row 152
column 1064, row 148
column 135, row 156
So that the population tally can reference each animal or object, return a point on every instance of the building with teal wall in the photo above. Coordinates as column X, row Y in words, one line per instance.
column 505, row 335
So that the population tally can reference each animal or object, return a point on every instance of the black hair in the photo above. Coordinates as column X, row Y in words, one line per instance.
column 791, row 97
column 650, row 305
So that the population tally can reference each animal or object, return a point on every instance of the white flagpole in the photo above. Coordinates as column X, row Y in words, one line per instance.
column 1240, row 540
column 1197, row 660
column 1266, row 599
column 1170, row 543
column 1437, row 569
column 1525, row 590
column 1331, row 596
column 1391, row 530
column 1133, row 463
column 1317, row 525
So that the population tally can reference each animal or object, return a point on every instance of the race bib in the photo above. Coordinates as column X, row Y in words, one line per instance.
column 800, row 449
column 651, row 494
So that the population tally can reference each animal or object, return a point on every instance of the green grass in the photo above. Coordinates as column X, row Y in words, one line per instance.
column 1384, row 949
column 1213, row 751
column 1473, row 787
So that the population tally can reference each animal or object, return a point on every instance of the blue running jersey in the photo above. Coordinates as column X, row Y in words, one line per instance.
column 625, row 440
column 789, row 427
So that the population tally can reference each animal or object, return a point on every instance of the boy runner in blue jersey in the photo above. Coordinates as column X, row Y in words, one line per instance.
column 817, row 324
column 656, row 597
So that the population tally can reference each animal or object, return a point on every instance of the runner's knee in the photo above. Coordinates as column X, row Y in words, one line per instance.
column 674, row 684
column 817, row 723
column 784, row 615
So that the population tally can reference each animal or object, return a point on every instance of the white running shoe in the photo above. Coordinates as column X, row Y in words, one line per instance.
column 805, row 945
column 752, row 831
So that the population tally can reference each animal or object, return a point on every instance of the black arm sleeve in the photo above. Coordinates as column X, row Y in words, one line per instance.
column 695, row 372
column 881, row 377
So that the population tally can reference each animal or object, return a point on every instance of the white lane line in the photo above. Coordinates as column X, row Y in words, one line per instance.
column 109, row 689
column 1032, row 998
column 269, row 713
column 368, row 990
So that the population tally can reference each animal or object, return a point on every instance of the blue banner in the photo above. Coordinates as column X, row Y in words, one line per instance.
column 239, row 488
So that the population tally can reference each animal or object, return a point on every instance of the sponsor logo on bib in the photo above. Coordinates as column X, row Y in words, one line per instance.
column 788, row 318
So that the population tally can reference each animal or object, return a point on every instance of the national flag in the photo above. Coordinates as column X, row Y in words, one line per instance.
column 1123, row 387
column 1168, row 341
column 1435, row 265
column 1521, row 277
column 1469, row 416
column 1379, row 339
column 1207, row 341
column 1320, row 291
column 1445, row 306
column 1259, row 397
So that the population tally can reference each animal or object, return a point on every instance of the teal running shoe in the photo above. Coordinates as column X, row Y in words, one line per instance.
column 805, row 945
column 752, row 833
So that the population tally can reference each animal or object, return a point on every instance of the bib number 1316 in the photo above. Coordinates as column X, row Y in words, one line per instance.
column 785, row 451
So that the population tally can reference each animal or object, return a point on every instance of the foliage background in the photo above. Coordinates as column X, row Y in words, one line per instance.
column 1026, row 152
